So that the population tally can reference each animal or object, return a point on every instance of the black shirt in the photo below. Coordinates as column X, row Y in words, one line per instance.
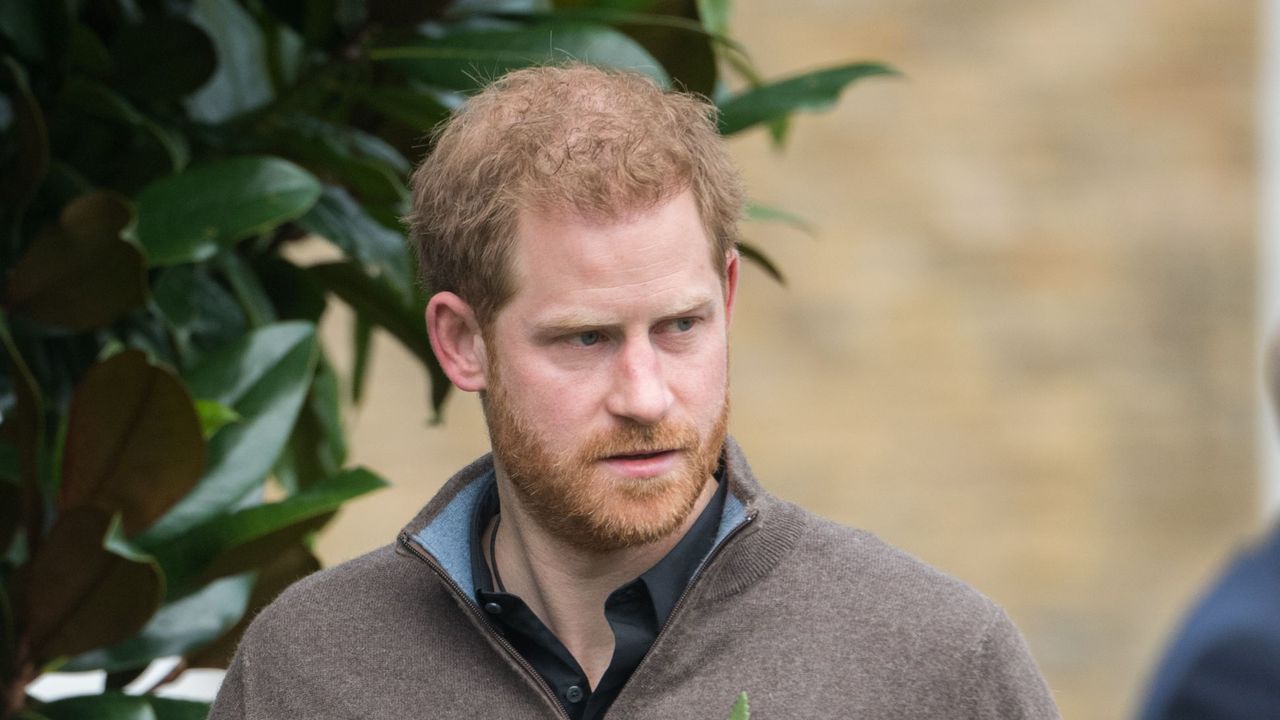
column 636, row 611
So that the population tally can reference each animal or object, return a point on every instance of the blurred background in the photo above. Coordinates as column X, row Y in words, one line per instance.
column 1023, row 343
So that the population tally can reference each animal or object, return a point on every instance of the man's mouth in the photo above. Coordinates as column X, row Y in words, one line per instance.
column 639, row 455
column 642, row 463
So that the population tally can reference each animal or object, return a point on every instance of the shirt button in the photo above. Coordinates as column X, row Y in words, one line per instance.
column 492, row 608
column 573, row 694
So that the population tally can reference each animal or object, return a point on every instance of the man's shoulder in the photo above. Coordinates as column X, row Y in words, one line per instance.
column 931, row 645
column 848, row 567
column 862, row 585
column 868, row 571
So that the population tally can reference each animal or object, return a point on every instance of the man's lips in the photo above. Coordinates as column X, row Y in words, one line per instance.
column 642, row 463
column 639, row 454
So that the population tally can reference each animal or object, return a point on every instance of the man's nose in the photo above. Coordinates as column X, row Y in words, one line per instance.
column 640, row 392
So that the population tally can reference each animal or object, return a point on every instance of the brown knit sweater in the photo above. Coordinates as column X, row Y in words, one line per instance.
column 811, row 619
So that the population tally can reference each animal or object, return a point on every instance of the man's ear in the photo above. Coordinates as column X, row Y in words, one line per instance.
column 730, row 282
column 457, row 340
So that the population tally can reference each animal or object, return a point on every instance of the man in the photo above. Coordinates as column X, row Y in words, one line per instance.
column 1224, row 664
column 614, row 554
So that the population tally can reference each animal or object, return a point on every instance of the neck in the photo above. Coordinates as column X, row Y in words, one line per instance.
column 566, row 586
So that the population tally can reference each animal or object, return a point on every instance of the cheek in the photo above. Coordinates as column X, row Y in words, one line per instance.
column 703, row 386
column 561, row 401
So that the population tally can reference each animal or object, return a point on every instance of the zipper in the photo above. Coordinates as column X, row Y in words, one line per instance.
column 680, row 601
column 425, row 557
column 484, row 621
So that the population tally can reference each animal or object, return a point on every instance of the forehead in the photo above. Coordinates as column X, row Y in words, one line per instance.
column 644, row 259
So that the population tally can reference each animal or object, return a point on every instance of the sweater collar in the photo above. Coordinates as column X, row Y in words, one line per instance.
column 442, row 527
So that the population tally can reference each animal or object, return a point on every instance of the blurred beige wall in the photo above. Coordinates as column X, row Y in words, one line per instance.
column 1021, row 347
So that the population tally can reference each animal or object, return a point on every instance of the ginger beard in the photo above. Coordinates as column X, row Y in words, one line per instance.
column 571, row 495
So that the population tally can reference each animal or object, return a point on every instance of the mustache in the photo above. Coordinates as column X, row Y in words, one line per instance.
column 641, row 440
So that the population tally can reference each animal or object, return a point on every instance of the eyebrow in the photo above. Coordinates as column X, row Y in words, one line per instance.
column 573, row 320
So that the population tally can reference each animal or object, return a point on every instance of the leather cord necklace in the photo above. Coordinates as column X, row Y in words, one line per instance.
column 493, row 554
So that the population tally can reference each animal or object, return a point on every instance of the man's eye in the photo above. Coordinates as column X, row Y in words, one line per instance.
column 683, row 324
column 587, row 339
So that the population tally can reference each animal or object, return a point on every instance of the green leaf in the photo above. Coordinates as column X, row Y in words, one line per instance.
column 36, row 30
column 200, row 313
column 162, row 57
column 318, row 445
column 418, row 107
column 189, row 216
column 106, row 706
column 176, row 709
column 114, row 705
column 765, row 213
column 87, row 54
column 293, row 292
column 280, row 571
column 286, row 50
column 714, row 15
column 240, row 370
column 247, row 288
column 466, row 61
column 379, row 303
column 362, row 342
column 264, row 377
column 383, row 252
column 377, row 300
column 317, row 449
column 757, row 256
column 134, row 441
column 669, row 30
column 364, row 162
column 346, row 141
column 177, row 628
column 81, row 273
column 741, row 710
column 811, row 91
column 214, row 416
column 98, row 102
column 22, row 26
column 315, row 20
column 686, row 52
column 250, row 537
column 325, row 405
column 242, row 81
column 394, row 13
column 87, row 588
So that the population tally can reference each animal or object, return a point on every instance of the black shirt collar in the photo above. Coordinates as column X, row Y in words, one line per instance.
column 636, row 611
column 665, row 581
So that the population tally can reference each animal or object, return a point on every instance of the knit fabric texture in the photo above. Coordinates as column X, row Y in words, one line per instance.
column 811, row 619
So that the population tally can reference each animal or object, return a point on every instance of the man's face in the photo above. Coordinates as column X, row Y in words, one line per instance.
column 607, row 373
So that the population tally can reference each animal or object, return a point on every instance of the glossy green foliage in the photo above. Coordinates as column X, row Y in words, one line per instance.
column 468, row 60
column 770, row 102
column 741, row 709
column 190, row 216
column 118, row 706
column 171, row 436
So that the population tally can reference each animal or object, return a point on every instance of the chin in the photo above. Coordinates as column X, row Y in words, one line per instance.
column 632, row 512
